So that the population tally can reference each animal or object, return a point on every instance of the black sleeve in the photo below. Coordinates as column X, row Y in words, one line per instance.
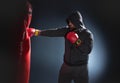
column 87, row 42
column 58, row 32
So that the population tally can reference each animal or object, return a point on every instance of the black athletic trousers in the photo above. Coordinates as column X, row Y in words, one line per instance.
column 79, row 74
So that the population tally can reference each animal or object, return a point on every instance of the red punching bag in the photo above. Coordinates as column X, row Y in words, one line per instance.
column 23, row 73
column 15, row 45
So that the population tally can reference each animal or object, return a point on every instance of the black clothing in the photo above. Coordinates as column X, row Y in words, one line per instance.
column 76, row 19
column 75, row 57
column 79, row 74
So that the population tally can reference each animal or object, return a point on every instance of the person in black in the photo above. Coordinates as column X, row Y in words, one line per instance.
column 78, row 46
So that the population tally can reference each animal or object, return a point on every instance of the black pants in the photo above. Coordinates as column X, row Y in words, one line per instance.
column 79, row 74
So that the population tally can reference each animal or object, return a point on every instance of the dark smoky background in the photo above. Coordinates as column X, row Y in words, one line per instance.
column 45, row 59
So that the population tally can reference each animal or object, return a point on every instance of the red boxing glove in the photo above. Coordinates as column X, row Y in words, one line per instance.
column 30, row 31
column 73, row 38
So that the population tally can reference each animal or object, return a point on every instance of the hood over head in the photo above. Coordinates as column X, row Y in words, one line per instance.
column 76, row 19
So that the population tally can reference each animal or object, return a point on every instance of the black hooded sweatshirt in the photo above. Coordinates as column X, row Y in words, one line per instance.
column 74, row 56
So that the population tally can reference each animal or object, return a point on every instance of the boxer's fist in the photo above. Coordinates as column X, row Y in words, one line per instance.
column 33, row 32
column 73, row 38
column 30, row 31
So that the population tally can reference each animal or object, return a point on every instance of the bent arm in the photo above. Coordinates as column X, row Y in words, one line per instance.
column 86, row 43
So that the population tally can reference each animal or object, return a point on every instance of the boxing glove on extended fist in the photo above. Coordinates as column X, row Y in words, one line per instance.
column 73, row 38
column 33, row 32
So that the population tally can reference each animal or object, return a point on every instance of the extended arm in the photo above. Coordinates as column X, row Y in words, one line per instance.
column 58, row 32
